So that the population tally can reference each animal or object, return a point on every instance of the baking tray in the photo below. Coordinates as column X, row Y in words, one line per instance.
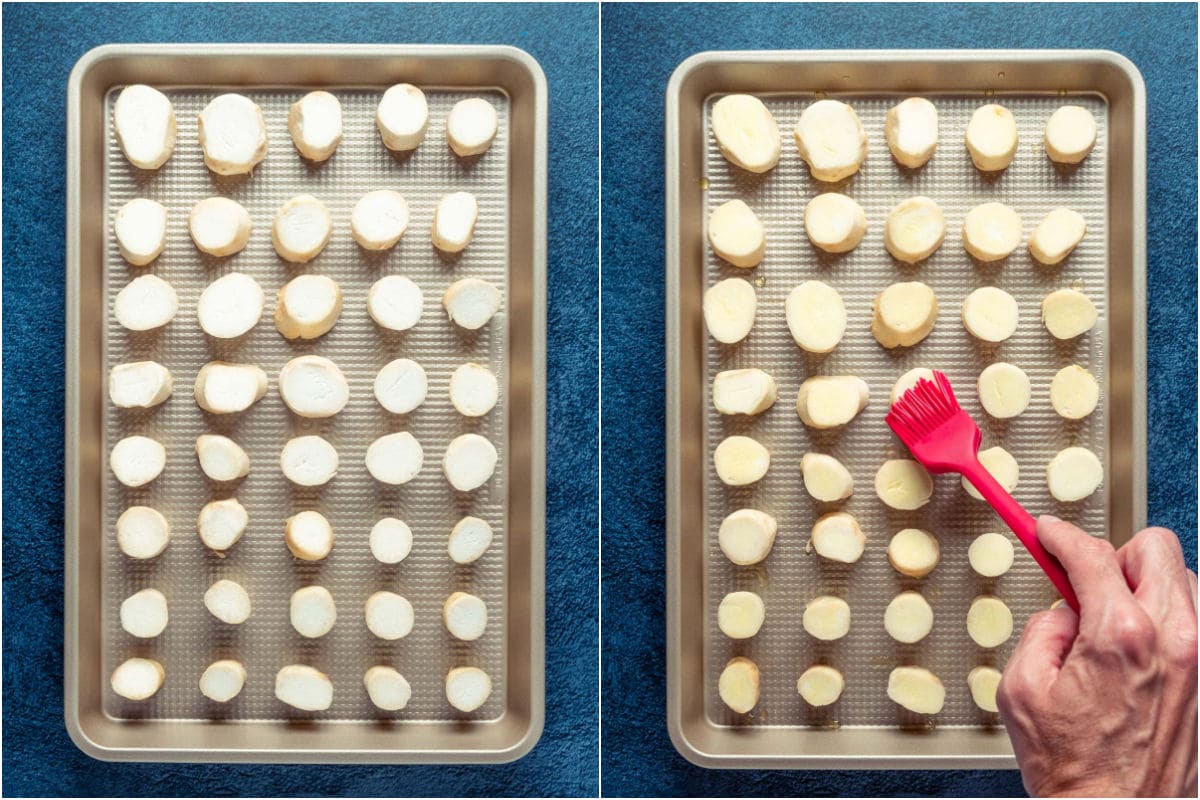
column 864, row 728
column 508, row 249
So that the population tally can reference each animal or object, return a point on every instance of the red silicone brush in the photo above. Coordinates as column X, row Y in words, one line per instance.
column 944, row 438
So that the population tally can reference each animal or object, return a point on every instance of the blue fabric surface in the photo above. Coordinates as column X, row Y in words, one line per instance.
column 41, row 44
column 641, row 46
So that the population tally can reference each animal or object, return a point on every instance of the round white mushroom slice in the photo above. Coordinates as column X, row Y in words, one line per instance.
column 400, row 386
column 308, row 461
column 916, row 689
column 141, row 230
column 224, row 388
column 729, row 309
column 142, row 532
column 820, row 685
column 221, row 458
column 144, row 614
column 747, row 535
column 1057, row 235
column 1074, row 392
column 904, row 314
column 223, row 680
column 470, row 303
column 389, row 615
column 469, row 540
column 313, row 386
column 831, row 140
column 914, row 230
column 826, row 618
column 221, row 524
column 139, row 384
column 308, row 536
column 219, row 226
column 233, row 134
column 992, row 138
column 230, row 306
column 737, row 235
column 145, row 303
column 990, row 314
column 471, row 126
column 834, row 222
column 991, row 555
column 1004, row 390
column 379, row 219
column 838, row 537
column 304, row 687
column 1068, row 313
column 467, row 688
column 741, row 461
column 816, row 316
column 746, row 132
column 137, row 460
column 454, row 222
column 1002, row 466
column 390, row 541
column 740, row 614
column 308, row 306
column 469, row 462
column 394, row 302
column 908, row 618
column 312, row 611
column 1073, row 474
column 1070, row 135
column 989, row 622
column 907, row 381
column 301, row 229
column 402, row 117
column 144, row 123
column 465, row 616
column 903, row 484
column 830, row 401
column 315, row 123
column 991, row 231
column 825, row 478
column 743, row 391
column 914, row 552
column 912, row 131
column 395, row 459
column 738, row 685
column 387, row 688
column 983, row 683
column 228, row 601
column 138, row 678
column 474, row 390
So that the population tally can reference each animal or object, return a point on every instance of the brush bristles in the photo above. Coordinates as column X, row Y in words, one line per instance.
column 923, row 408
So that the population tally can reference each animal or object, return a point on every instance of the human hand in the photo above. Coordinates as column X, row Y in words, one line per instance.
column 1103, row 704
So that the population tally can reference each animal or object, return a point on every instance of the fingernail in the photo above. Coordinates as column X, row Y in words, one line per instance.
column 1050, row 518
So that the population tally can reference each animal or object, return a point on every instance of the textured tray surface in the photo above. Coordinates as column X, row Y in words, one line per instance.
column 791, row 576
column 353, row 501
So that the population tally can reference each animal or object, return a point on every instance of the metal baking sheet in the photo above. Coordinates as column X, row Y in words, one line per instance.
column 178, row 722
column 865, row 728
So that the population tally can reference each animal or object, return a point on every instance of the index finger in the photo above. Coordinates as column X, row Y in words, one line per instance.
column 1091, row 565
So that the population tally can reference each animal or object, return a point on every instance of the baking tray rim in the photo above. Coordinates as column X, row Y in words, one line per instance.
column 535, row 723
column 690, row 750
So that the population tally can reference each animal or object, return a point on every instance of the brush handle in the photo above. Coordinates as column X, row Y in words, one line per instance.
column 1023, row 525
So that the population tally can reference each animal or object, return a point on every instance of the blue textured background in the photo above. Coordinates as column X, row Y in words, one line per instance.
column 41, row 44
column 641, row 46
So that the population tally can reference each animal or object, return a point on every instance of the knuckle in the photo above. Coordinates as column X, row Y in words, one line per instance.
column 1095, row 547
column 1132, row 632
